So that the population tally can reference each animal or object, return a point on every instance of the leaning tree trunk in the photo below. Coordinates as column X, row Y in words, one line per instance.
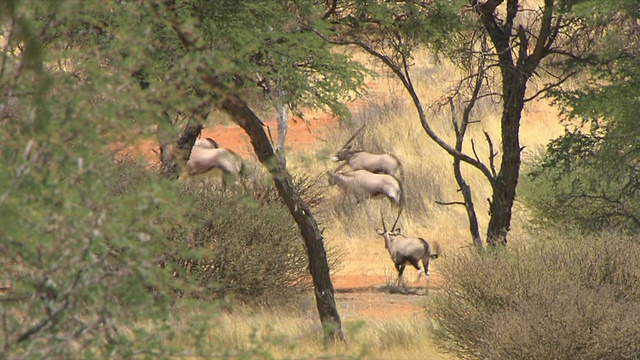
column 242, row 115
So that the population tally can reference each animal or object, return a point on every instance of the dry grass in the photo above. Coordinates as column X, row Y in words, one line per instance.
column 295, row 333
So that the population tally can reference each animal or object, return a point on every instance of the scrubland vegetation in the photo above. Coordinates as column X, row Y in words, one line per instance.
column 101, row 257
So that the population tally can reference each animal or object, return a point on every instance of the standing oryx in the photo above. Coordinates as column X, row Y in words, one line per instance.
column 361, row 160
column 405, row 250
column 363, row 184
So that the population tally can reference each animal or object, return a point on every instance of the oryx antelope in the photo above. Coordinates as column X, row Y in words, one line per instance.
column 362, row 160
column 363, row 183
column 405, row 250
column 359, row 159
column 205, row 156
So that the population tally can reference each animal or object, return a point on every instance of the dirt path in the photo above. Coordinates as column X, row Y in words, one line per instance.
column 367, row 297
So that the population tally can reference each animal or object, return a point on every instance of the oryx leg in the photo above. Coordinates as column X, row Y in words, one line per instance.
column 400, row 268
column 425, row 264
column 416, row 264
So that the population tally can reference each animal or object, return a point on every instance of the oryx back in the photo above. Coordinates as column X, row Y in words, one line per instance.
column 203, row 159
column 375, row 163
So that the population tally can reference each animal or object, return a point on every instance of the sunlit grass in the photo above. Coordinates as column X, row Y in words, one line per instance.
column 296, row 333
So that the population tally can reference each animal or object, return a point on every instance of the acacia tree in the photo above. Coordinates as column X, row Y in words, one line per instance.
column 518, row 39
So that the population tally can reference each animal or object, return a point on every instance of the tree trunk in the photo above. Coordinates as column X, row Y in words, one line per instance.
column 504, row 190
column 474, row 228
column 242, row 115
column 173, row 155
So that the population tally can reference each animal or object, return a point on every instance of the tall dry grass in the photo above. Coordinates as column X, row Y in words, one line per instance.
column 295, row 334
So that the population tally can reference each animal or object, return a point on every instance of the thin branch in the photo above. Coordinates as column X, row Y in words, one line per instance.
column 551, row 86
column 491, row 155
column 473, row 148
column 453, row 117
column 450, row 203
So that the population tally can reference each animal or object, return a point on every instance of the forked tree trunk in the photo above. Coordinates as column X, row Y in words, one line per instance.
column 242, row 115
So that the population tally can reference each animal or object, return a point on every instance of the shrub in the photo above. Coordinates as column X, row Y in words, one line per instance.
column 241, row 247
column 568, row 298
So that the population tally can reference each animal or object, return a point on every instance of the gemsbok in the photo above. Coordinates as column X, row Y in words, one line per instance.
column 363, row 183
column 206, row 156
column 359, row 159
column 362, row 160
column 406, row 250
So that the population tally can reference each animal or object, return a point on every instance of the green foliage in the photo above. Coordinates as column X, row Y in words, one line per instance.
column 82, row 237
column 590, row 176
column 246, row 250
column 561, row 297
column 79, row 249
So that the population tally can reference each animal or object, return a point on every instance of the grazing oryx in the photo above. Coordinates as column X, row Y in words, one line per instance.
column 405, row 250
column 366, row 184
column 362, row 160
column 206, row 155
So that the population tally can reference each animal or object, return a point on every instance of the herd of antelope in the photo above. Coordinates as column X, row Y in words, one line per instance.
column 377, row 175
column 371, row 175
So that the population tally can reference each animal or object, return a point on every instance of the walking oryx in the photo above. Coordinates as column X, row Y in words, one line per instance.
column 405, row 250
column 363, row 184
column 362, row 160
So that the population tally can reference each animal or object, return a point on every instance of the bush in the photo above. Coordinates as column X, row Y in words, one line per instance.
column 242, row 248
column 555, row 299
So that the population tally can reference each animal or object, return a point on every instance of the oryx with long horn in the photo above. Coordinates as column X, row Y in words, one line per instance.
column 406, row 250
column 363, row 183
column 359, row 159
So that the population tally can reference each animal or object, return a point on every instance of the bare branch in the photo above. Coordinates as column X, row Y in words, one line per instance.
column 542, row 45
column 450, row 203
column 492, row 155
column 453, row 117
column 551, row 86
column 406, row 82
column 473, row 148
